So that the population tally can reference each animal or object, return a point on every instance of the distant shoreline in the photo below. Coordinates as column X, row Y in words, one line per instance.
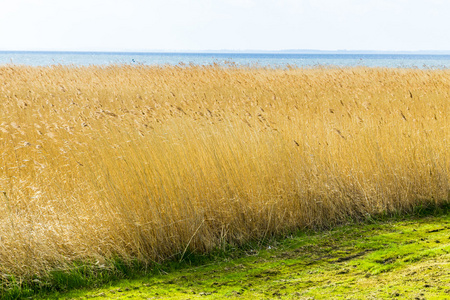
column 293, row 51
column 266, row 59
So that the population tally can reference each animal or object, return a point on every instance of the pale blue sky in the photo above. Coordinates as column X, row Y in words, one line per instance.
column 177, row 25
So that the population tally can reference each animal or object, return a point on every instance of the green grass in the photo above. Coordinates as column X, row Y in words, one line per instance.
column 403, row 257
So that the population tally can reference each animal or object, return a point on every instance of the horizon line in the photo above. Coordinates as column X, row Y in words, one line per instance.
column 232, row 51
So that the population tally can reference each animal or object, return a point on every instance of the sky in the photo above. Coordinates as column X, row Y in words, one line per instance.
column 196, row 25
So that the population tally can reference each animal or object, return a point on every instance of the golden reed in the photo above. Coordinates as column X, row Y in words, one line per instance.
column 148, row 162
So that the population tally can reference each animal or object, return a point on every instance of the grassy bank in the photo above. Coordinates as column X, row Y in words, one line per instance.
column 397, row 258
column 144, row 164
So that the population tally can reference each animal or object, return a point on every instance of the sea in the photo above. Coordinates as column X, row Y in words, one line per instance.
column 270, row 60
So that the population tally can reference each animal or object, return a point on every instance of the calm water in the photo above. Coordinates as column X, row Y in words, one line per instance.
column 270, row 60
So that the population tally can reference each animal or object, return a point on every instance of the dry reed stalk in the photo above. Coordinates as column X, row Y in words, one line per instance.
column 146, row 162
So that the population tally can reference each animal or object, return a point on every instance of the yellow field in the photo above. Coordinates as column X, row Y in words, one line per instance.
column 147, row 162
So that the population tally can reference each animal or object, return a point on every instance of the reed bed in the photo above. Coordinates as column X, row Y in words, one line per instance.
column 146, row 163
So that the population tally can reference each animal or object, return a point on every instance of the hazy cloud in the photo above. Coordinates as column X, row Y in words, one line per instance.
column 224, row 24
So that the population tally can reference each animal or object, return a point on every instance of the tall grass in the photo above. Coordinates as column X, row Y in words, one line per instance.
column 148, row 162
